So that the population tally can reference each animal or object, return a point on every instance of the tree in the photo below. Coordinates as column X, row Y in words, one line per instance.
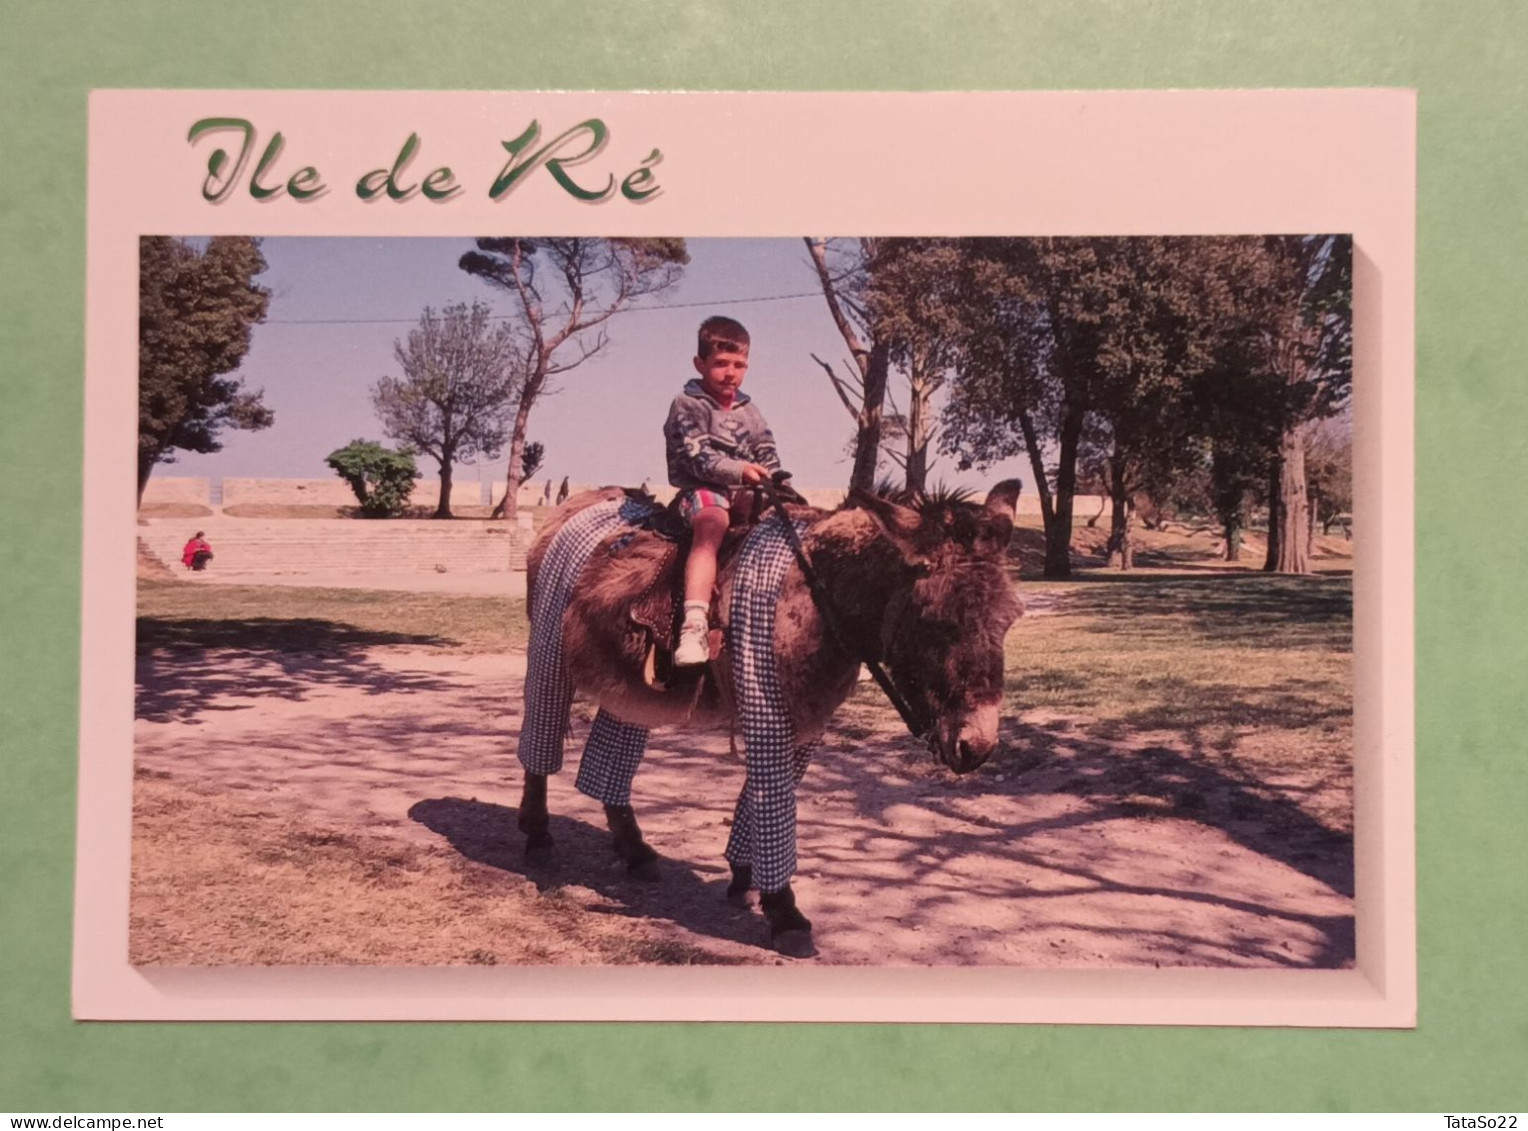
column 196, row 311
column 902, row 296
column 863, row 391
column 1008, row 398
column 1051, row 363
column 1019, row 388
column 1091, row 349
column 1307, row 347
column 565, row 290
column 1239, row 407
column 915, row 305
column 530, row 459
column 1164, row 305
column 1329, row 469
column 460, row 374
column 382, row 479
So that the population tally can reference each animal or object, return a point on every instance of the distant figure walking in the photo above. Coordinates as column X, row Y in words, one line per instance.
column 562, row 492
column 546, row 494
column 196, row 554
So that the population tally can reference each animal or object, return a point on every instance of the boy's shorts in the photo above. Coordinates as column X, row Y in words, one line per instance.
column 692, row 500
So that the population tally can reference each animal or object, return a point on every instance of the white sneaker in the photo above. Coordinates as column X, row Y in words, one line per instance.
column 693, row 646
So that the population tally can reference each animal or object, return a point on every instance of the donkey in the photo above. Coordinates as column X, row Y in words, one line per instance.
column 918, row 584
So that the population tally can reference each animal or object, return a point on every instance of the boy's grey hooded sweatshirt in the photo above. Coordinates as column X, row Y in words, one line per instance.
column 709, row 445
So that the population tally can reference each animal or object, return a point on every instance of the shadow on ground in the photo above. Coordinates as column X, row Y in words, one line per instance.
column 690, row 896
column 876, row 815
column 187, row 668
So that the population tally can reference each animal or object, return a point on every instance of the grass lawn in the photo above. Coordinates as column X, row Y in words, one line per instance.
column 1160, row 651
column 1247, row 672
column 287, row 619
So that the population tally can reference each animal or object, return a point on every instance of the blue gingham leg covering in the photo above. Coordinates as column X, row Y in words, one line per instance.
column 764, row 827
column 548, row 691
column 610, row 760
column 739, row 850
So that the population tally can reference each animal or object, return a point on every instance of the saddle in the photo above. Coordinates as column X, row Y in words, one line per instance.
column 657, row 613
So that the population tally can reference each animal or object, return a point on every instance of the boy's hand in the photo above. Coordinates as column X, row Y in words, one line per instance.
column 755, row 473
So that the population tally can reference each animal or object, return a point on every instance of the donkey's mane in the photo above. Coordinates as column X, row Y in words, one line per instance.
column 930, row 502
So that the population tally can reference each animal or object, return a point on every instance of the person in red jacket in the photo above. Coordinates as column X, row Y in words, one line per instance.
column 197, row 553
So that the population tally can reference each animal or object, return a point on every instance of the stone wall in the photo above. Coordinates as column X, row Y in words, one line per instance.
column 335, row 492
column 467, row 493
column 176, row 489
column 288, row 492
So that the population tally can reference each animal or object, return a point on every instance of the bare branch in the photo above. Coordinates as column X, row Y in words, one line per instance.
column 840, row 387
column 861, row 355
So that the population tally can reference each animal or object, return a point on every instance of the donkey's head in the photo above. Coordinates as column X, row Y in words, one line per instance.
column 942, row 634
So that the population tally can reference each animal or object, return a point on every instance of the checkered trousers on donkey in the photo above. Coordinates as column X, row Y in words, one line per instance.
column 764, row 824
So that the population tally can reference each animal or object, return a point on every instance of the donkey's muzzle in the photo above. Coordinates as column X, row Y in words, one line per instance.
column 967, row 757
column 967, row 744
column 960, row 754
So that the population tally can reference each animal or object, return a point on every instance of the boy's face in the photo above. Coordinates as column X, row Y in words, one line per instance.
column 722, row 372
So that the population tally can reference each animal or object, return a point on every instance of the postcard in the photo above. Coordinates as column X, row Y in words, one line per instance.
column 749, row 557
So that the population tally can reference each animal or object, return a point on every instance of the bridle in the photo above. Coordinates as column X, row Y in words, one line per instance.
column 917, row 725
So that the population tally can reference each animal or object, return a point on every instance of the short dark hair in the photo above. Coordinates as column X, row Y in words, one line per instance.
column 721, row 333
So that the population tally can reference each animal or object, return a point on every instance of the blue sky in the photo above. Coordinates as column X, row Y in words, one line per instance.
column 338, row 305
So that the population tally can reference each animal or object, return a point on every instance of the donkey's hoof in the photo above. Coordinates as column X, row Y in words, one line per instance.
column 793, row 943
column 627, row 843
column 641, row 861
column 738, row 889
column 645, row 871
column 538, row 848
column 790, row 932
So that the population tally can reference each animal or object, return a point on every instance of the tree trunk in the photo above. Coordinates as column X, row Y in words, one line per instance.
column 1275, row 522
column 917, row 433
column 443, row 508
column 1121, row 552
column 867, row 439
column 1058, row 531
column 1232, row 529
column 1294, row 505
column 145, row 469
column 509, row 506
column 872, row 364
column 1312, row 507
column 1037, row 466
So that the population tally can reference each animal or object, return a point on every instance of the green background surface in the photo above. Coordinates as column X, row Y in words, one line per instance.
column 1469, row 60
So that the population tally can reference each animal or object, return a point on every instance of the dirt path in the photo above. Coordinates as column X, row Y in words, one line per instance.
column 1065, row 851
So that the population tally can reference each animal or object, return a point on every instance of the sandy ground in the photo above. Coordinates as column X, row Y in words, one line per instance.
column 1064, row 851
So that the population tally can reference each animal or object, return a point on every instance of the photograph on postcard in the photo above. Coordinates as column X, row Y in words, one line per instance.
column 848, row 601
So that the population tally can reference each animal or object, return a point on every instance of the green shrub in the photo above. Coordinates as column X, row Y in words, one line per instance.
column 381, row 478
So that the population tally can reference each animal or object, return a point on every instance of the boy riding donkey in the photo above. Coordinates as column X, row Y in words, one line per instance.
column 716, row 440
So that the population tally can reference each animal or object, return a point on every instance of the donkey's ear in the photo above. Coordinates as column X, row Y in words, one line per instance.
column 1000, row 511
column 1004, row 498
column 899, row 524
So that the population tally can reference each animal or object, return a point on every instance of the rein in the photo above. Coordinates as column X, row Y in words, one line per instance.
column 915, row 725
